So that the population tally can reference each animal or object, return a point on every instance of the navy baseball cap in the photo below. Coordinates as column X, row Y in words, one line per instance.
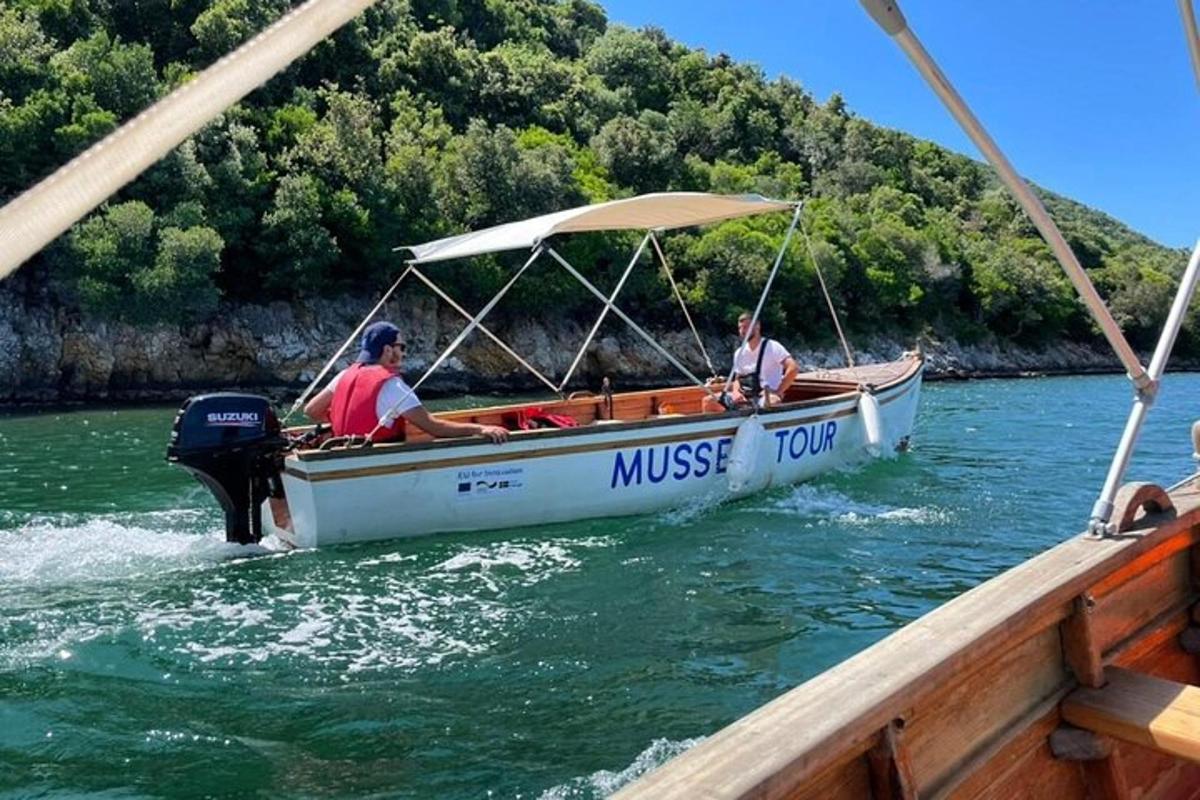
column 377, row 336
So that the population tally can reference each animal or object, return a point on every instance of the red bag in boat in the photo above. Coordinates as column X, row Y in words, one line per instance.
column 525, row 419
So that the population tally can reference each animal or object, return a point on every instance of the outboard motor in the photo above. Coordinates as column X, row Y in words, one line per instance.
column 233, row 445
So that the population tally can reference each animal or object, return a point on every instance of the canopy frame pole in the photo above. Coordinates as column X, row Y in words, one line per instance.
column 837, row 324
column 636, row 328
column 608, row 304
column 889, row 17
column 483, row 328
column 1188, row 12
column 391, row 413
column 328, row 364
column 678, row 296
column 762, row 298
column 1100, row 522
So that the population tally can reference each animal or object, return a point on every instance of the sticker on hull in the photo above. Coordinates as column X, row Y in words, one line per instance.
column 489, row 482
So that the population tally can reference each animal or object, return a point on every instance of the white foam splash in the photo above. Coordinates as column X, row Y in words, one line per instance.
column 389, row 558
column 404, row 612
column 50, row 551
column 692, row 508
column 403, row 617
column 605, row 782
column 822, row 505
column 527, row 563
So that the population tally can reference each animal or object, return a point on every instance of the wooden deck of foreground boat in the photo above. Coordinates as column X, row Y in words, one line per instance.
column 1069, row 676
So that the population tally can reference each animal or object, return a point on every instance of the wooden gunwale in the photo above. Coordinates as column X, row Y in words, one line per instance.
column 1162, row 629
column 834, row 718
column 909, row 375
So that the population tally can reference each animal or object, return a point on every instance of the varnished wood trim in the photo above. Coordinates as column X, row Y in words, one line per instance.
column 1158, row 632
column 989, row 764
column 1145, row 561
column 889, row 766
column 1079, row 643
column 1142, row 709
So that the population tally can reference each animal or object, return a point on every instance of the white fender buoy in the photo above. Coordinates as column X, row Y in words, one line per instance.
column 746, row 472
column 872, row 419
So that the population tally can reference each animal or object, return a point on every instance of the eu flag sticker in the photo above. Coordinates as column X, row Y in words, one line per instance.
column 464, row 488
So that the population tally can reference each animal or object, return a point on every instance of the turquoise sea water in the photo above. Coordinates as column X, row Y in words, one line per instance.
column 141, row 656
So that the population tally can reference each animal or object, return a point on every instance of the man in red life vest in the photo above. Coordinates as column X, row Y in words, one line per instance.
column 371, row 390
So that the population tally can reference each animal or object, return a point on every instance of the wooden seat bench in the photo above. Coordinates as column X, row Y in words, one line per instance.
column 1142, row 709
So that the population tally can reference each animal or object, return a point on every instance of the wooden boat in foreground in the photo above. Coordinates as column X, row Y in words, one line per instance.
column 1072, row 675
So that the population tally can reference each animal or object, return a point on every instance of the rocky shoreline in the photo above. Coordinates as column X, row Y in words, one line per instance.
column 51, row 354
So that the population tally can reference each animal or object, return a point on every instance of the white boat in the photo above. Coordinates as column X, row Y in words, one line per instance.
column 627, row 453
column 638, row 462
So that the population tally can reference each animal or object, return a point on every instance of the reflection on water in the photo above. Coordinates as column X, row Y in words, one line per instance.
column 557, row 662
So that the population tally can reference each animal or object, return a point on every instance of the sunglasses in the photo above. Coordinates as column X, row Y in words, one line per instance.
column 401, row 345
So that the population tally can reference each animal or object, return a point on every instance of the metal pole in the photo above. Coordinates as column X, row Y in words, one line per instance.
column 636, row 328
column 762, row 298
column 887, row 14
column 1193, row 37
column 433, row 287
column 1099, row 524
column 604, row 312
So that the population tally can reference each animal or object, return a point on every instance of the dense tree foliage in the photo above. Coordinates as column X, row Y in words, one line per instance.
column 429, row 117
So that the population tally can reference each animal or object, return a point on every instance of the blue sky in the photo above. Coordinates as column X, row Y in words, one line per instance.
column 1095, row 100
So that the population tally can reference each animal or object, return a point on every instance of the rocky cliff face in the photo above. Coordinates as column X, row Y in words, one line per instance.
column 50, row 353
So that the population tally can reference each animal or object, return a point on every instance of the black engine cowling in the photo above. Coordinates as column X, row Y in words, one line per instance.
column 233, row 445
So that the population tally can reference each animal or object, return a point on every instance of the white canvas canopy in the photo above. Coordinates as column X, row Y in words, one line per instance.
column 648, row 212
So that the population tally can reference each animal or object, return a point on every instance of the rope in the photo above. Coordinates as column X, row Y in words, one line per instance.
column 675, row 288
column 828, row 300
column 33, row 219
column 325, row 369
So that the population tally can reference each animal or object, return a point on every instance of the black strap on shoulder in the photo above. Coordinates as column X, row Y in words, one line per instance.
column 758, row 382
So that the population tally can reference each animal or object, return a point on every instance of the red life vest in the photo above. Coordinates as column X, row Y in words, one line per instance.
column 524, row 419
column 352, row 412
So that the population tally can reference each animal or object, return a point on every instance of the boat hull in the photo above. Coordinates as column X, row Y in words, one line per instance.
column 601, row 470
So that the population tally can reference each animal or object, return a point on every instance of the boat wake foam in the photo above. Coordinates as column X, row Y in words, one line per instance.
column 605, row 782
column 821, row 505
column 692, row 509
column 74, row 549
column 520, row 563
column 339, row 616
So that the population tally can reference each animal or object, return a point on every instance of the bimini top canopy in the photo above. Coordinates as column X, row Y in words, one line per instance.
column 646, row 212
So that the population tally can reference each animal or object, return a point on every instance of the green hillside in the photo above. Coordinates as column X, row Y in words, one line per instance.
column 429, row 117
